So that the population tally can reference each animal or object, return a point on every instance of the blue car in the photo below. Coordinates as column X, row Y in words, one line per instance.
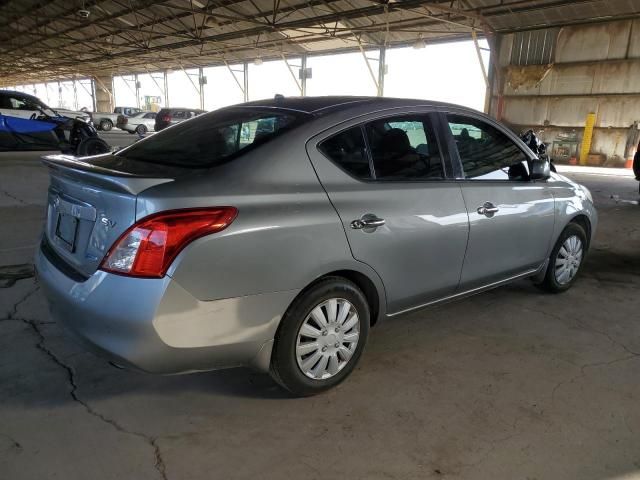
column 44, row 128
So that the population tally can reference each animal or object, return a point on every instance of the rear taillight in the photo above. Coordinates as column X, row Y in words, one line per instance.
column 148, row 247
column 166, row 118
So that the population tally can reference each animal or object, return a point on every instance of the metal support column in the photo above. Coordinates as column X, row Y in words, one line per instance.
column 94, row 103
column 297, row 79
column 166, row 90
column 201, row 82
column 303, row 80
column 137, row 85
column 479, row 53
column 382, row 70
column 75, row 94
column 246, row 81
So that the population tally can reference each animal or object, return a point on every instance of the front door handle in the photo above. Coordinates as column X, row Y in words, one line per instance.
column 367, row 221
column 488, row 209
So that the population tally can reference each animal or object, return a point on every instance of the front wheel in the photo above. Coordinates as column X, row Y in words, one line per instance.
column 321, row 337
column 565, row 260
column 141, row 130
column 106, row 125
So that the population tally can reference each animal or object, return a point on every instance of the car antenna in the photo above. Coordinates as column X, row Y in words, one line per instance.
column 278, row 97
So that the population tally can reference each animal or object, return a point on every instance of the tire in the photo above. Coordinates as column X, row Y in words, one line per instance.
column 106, row 125
column 92, row 146
column 287, row 365
column 556, row 279
column 141, row 129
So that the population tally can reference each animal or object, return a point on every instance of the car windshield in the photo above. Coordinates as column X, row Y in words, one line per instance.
column 31, row 103
column 213, row 138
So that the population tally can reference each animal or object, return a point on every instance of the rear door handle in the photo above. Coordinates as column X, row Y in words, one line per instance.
column 488, row 209
column 367, row 221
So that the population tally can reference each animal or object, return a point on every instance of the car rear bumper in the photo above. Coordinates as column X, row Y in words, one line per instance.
column 156, row 326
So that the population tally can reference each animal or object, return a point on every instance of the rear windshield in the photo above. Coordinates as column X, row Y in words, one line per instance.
column 213, row 138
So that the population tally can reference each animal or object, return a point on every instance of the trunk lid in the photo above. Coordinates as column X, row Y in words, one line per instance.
column 89, row 206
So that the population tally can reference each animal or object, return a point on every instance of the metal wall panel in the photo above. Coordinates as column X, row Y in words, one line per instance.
column 610, row 77
column 534, row 47
column 603, row 41
column 570, row 112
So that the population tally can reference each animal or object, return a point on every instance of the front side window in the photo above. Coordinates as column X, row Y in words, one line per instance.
column 213, row 138
column 485, row 152
column 347, row 150
column 404, row 148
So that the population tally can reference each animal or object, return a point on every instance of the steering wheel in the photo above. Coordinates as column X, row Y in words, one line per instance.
column 33, row 116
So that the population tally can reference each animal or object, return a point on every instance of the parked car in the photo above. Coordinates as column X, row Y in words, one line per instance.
column 28, row 124
column 106, row 121
column 23, row 105
column 228, row 243
column 171, row 116
column 140, row 123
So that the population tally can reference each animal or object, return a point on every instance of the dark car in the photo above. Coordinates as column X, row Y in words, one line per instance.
column 171, row 116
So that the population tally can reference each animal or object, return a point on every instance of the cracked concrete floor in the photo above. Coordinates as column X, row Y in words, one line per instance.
column 510, row 384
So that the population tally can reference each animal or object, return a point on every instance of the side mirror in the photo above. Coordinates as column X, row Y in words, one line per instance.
column 540, row 169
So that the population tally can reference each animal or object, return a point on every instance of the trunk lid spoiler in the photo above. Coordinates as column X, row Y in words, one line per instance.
column 77, row 169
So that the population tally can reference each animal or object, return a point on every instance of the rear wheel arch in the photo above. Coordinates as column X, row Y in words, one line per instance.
column 360, row 280
column 366, row 285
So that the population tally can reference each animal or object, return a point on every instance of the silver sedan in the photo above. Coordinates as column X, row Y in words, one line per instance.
column 277, row 233
column 140, row 123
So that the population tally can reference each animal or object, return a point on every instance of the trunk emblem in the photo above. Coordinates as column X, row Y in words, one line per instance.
column 107, row 222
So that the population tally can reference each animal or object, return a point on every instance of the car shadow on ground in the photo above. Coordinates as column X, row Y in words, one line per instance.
column 66, row 369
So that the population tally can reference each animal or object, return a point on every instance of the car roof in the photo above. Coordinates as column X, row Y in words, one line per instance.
column 329, row 104
column 17, row 94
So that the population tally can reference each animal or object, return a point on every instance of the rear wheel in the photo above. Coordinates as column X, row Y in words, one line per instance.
column 106, row 125
column 566, row 259
column 321, row 337
column 141, row 130
column 92, row 146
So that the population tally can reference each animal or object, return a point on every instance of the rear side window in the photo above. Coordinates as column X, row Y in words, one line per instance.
column 401, row 148
column 404, row 149
column 485, row 152
column 213, row 138
column 348, row 151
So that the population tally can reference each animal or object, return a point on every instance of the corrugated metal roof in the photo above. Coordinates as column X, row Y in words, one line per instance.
column 49, row 39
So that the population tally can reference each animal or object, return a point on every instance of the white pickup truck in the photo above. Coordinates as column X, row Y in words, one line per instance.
column 106, row 121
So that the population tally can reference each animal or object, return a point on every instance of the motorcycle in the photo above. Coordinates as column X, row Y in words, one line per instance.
column 50, row 131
